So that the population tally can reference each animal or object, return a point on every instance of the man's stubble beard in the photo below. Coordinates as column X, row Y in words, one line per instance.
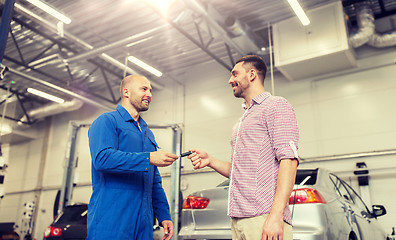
column 139, row 106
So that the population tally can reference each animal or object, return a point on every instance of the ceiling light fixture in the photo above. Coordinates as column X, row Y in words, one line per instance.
column 45, row 95
column 299, row 12
column 50, row 10
column 163, row 5
column 145, row 66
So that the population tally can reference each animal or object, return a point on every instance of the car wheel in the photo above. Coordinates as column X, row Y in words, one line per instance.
column 352, row 236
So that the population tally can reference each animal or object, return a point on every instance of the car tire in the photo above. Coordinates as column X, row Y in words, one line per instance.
column 352, row 236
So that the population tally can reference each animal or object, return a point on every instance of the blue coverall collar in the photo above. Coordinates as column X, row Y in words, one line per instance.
column 128, row 118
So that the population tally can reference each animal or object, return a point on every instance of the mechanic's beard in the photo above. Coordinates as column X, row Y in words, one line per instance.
column 143, row 109
column 139, row 106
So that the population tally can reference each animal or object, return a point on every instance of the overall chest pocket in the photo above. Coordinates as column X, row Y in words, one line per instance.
column 150, row 143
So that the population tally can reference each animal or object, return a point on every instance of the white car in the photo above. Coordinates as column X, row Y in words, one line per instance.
column 324, row 207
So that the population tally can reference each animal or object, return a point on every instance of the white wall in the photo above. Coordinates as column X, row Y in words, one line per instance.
column 348, row 113
column 46, row 152
column 341, row 113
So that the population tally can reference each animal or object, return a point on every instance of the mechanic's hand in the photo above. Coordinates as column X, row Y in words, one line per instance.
column 168, row 229
column 199, row 158
column 162, row 159
column 273, row 228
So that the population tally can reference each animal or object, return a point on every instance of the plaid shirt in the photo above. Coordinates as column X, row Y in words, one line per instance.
column 265, row 134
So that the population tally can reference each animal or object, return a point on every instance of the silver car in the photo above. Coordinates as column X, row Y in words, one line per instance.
column 324, row 207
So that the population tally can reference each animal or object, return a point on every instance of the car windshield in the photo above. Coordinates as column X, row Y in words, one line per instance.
column 74, row 214
column 303, row 177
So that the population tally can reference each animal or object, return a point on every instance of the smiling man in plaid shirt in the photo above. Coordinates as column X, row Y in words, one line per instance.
column 264, row 157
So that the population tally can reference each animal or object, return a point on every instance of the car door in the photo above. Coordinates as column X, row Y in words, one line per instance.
column 356, row 216
column 374, row 229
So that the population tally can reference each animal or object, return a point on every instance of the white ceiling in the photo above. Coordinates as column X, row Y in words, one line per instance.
column 189, row 33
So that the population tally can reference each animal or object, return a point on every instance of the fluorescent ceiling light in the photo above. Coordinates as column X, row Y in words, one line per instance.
column 162, row 4
column 299, row 12
column 45, row 95
column 5, row 129
column 145, row 66
column 48, row 9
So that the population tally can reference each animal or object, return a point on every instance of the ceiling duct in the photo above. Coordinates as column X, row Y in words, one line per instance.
column 366, row 32
column 241, row 34
column 242, row 46
column 365, row 21
column 234, row 27
column 383, row 40
column 52, row 109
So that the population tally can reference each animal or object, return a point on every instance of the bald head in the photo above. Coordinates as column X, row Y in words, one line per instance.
column 135, row 94
column 130, row 81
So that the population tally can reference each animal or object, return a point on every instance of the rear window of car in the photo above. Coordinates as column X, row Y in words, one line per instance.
column 224, row 184
column 306, row 176
column 74, row 214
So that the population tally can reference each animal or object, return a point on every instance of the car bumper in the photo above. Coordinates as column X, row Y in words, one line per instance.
column 191, row 233
column 187, row 233
column 308, row 236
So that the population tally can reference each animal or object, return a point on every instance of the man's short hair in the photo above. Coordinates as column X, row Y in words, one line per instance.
column 257, row 62
column 122, row 86
column 126, row 81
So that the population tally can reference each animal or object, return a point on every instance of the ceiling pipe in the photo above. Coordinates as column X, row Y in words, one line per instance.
column 90, row 100
column 114, row 45
column 365, row 22
column 349, row 156
column 383, row 40
column 104, row 56
column 242, row 35
column 366, row 33
column 45, row 60
column 51, row 109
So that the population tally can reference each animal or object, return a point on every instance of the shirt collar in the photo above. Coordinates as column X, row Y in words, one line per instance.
column 258, row 99
column 261, row 97
column 127, row 117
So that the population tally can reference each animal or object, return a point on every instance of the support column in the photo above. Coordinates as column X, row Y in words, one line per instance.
column 5, row 25
column 175, row 180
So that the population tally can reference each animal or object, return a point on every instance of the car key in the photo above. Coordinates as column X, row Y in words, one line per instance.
column 185, row 154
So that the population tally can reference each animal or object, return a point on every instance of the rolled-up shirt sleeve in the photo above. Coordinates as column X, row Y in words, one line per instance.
column 283, row 130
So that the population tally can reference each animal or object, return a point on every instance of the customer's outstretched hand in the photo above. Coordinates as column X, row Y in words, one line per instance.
column 199, row 158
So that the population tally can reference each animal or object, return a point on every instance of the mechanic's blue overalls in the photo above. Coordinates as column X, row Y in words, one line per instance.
column 126, row 188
